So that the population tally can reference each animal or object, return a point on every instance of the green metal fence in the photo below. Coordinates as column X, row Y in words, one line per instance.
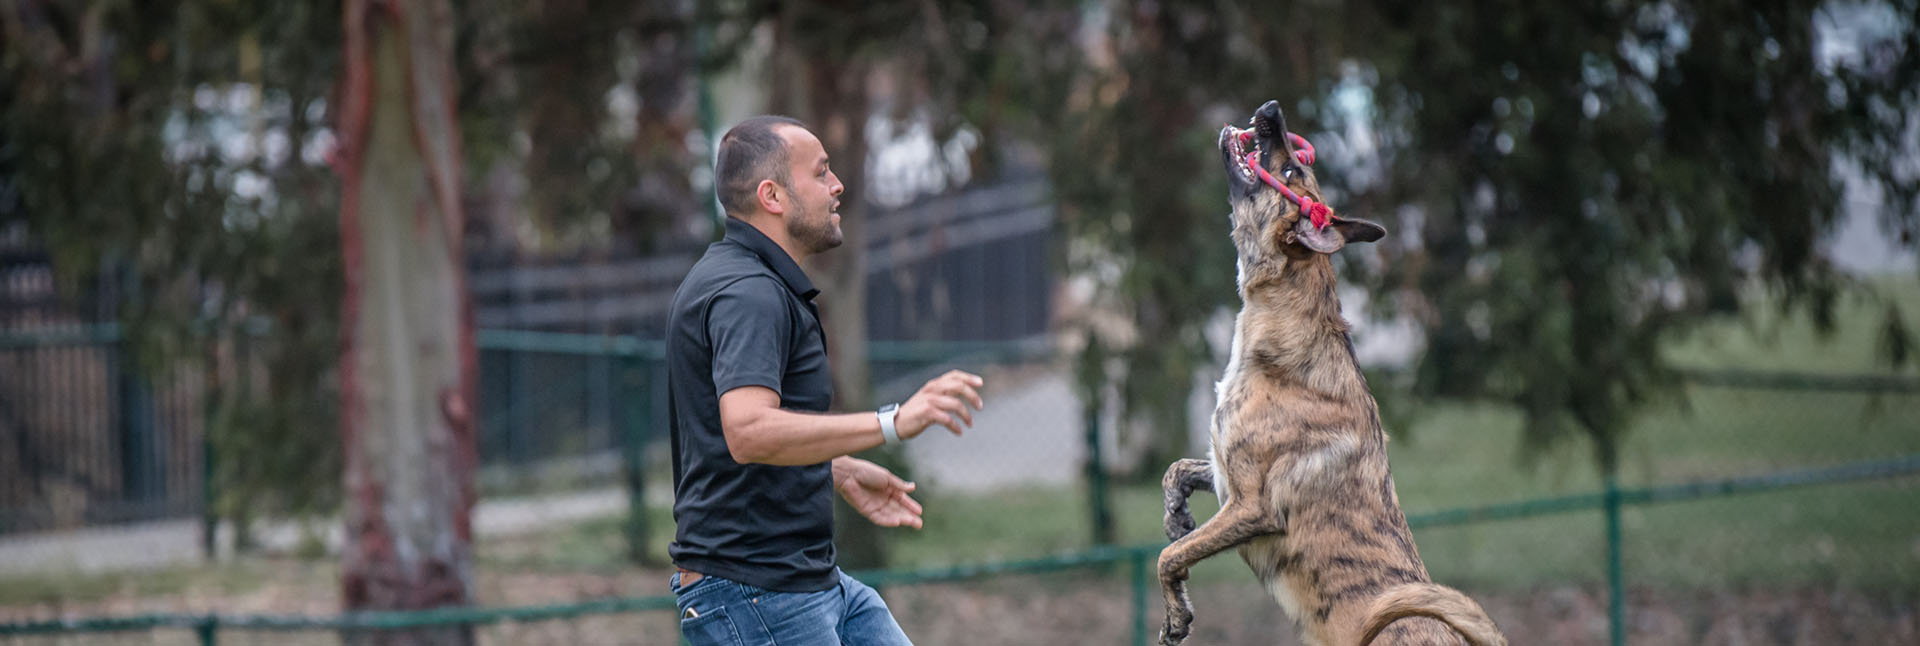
column 77, row 419
column 1139, row 559
column 558, row 411
column 623, row 371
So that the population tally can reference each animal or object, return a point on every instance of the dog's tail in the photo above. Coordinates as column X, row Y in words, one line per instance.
column 1446, row 604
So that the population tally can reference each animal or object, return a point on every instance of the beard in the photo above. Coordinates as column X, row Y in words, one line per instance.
column 813, row 228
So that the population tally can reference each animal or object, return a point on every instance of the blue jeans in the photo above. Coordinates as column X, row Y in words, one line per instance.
column 736, row 614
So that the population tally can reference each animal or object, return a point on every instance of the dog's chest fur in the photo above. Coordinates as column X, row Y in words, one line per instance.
column 1294, row 412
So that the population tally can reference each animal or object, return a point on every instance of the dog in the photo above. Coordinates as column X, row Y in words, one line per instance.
column 1298, row 455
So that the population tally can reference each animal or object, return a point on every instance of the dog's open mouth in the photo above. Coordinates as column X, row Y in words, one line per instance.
column 1248, row 153
column 1254, row 155
column 1237, row 142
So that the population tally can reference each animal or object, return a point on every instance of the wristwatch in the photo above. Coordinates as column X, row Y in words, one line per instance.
column 887, row 430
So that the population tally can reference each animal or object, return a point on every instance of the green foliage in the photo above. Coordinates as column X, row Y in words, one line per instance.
column 1134, row 169
column 1566, row 185
column 821, row 67
column 1588, row 180
column 178, row 150
column 586, row 108
column 173, row 148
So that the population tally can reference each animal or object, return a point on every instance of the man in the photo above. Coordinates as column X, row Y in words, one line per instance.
column 755, row 459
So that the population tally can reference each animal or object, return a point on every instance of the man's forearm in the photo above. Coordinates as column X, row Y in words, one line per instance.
column 783, row 437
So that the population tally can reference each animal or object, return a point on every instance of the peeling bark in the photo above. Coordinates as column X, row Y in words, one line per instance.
column 408, row 367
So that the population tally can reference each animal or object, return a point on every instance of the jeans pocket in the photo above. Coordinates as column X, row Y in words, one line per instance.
column 714, row 628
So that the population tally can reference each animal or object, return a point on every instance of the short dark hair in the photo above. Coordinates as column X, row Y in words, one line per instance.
column 751, row 151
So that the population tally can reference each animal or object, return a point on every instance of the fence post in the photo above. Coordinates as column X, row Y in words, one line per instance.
column 209, row 518
column 208, row 629
column 140, row 479
column 1097, row 479
column 518, row 394
column 703, row 95
column 211, row 389
column 1616, row 595
column 636, row 405
column 1093, row 384
column 1139, row 567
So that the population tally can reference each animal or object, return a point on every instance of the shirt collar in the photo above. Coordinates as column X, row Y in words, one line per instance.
column 776, row 258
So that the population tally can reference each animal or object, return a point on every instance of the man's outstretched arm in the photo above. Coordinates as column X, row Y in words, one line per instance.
column 758, row 431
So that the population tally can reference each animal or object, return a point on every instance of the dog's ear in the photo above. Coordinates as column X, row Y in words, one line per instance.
column 1357, row 230
column 1338, row 233
column 1325, row 241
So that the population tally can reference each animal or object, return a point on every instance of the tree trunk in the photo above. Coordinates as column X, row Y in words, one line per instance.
column 407, row 372
column 839, row 117
column 837, row 103
column 829, row 92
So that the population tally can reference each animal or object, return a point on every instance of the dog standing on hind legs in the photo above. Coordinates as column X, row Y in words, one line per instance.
column 1299, row 457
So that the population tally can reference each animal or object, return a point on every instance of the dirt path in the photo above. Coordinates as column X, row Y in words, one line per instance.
column 1069, row 608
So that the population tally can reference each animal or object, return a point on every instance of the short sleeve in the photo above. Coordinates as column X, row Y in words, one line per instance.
column 749, row 327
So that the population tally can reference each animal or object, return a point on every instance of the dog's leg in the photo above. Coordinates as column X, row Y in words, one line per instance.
column 1242, row 519
column 1182, row 479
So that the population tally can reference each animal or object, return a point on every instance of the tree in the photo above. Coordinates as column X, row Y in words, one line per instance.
column 1590, row 180
column 1136, row 115
column 408, row 372
column 588, row 104
column 130, row 112
column 180, row 146
column 1568, row 186
column 839, row 65
column 819, row 71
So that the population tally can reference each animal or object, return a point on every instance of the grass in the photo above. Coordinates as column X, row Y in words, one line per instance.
column 589, row 546
column 1858, row 534
column 1771, row 340
column 250, row 584
column 171, row 582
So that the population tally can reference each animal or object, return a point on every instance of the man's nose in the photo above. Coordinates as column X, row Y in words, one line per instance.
column 838, row 188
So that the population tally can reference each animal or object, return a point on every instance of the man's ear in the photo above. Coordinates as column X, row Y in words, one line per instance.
column 768, row 193
column 1355, row 230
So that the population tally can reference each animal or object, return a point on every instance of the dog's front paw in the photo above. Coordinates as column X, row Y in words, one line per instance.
column 1179, row 624
column 1179, row 525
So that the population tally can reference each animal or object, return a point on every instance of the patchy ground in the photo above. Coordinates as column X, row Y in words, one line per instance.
column 1072, row 608
column 1025, row 610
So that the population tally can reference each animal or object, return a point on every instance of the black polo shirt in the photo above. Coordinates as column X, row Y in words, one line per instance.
column 744, row 316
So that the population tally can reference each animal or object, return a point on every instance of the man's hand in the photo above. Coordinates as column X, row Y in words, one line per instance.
column 876, row 493
column 942, row 401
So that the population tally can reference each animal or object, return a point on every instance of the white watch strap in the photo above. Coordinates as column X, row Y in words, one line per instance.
column 887, row 429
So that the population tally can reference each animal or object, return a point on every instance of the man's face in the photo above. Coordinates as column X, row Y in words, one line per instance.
column 813, row 220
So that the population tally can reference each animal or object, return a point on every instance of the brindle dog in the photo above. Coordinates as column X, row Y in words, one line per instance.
column 1299, row 458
